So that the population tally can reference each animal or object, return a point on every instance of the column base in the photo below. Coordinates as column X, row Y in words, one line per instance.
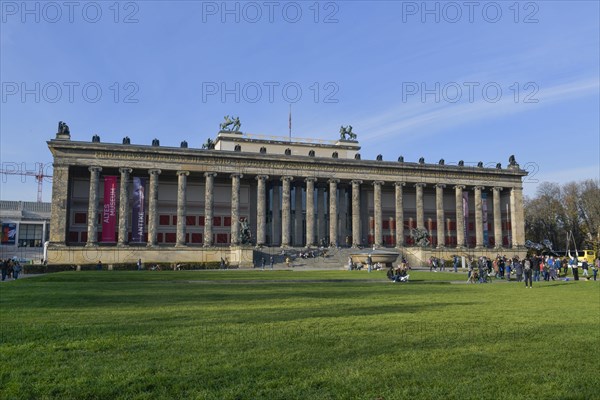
column 122, row 244
column 89, row 244
column 441, row 247
column 180, row 245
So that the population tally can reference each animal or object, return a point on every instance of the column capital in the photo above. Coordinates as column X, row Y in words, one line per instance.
column 287, row 178
column 333, row 180
column 310, row 179
column 461, row 187
column 95, row 169
column 479, row 187
column 236, row 175
column 497, row 188
column 517, row 188
column 261, row 177
column 210, row 174
column 186, row 173
column 420, row 184
column 154, row 171
column 356, row 182
column 399, row 183
column 125, row 170
column 379, row 183
column 440, row 185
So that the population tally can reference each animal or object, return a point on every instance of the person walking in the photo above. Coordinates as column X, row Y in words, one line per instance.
column 527, row 271
column 271, row 261
column 369, row 263
column 584, row 267
column 595, row 267
column 139, row 264
column 575, row 268
column 16, row 270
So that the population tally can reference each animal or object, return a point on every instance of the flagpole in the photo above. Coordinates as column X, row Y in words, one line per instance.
column 290, row 122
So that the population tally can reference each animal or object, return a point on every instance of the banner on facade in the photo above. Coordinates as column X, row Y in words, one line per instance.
column 138, row 214
column 9, row 233
column 484, row 208
column 466, row 217
column 109, row 212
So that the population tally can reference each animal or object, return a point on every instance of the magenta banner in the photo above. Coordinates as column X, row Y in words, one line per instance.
column 466, row 217
column 138, row 216
column 109, row 213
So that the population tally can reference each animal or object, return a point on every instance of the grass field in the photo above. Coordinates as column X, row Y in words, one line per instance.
column 296, row 335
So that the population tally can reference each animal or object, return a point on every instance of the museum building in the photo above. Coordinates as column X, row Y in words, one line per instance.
column 243, row 193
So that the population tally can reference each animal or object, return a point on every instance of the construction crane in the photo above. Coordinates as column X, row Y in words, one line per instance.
column 39, row 176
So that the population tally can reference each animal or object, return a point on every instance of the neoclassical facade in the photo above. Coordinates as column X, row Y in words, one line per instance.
column 121, row 202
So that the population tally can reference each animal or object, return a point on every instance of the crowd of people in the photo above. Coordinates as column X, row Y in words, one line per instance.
column 531, row 269
column 10, row 269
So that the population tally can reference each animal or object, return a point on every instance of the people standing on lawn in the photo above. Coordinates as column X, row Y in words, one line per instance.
column 574, row 262
column 584, row 267
column 139, row 264
column 527, row 269
column 596, row 267
column 455, row 261
column 518, row 269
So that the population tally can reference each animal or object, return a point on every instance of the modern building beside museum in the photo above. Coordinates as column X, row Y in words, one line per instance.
column 118, row 202
column 25, row 229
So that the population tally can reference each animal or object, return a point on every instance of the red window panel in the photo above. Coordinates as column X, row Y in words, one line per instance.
column 187, row 237
column 196, row 238
column 471, row 226
column 489, row 226
column 226, row 221
column 409, row 241
column 472, row 241
column 505, row 241
column 159, row 237
column 174, row 219
column 392, row 224
column 80, row 218
column 216, row 221
column 129, row 236
column 452, row 226
column 201, row 220
column 190, row 220
column 163, row 220
column 222, row 238
column 83, row 237
column 370, row 239
column 492, row 241
column 433, row 225
column 170, row 237
column 73, row 237
column 385, row 224
column 98, row 236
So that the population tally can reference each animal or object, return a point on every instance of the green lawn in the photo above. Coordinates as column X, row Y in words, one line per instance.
column 296, row 335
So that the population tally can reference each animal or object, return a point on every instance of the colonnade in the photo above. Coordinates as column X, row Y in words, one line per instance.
column 315, row 219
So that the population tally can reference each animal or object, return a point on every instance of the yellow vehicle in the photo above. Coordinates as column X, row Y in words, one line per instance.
column 589, row 255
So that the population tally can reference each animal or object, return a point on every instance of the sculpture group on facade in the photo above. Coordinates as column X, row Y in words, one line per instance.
column 63, row 128
column 230, row 125
column 209, row 145
column 420, row 236
column 245, row 234
column 346, row 133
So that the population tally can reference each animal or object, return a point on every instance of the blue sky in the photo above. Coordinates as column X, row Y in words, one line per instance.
column 455, row 80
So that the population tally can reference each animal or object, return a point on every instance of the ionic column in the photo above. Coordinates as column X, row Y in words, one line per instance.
column 310, row 211
column 92, row 235
column 285, row 210
column 153, row 206
column 399, row 214
column 123, row 205
column 181, row 209
column 320, row 215
column 497, row 218
column 478, row 217
column 439, row 205
column 419, row 199
column 356, row 235
column 261, row 219
column 333, row 232
column 208, row 208
column 460, row 218
column 377, row 213
column 235, row 209
column 298, row 217
column 517, row 217
column 60, row 204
